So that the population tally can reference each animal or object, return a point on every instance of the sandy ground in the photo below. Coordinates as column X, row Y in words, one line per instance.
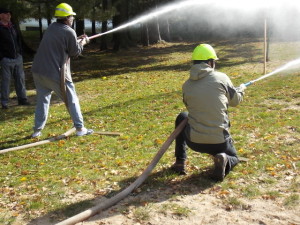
column 202, row 208
column 185, row 203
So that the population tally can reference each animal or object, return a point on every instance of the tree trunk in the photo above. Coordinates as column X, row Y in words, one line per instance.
column 93, row 22
column 40, row 23
column 165, row 30
column 144, row 35
column 117, row 35
column 79, row 27
column 40, row 28
column 93, row 27
column 93, row 30
column 103, row 44
column 120, row 38
column 49, row 12
column 154, row 35
column 150, row 33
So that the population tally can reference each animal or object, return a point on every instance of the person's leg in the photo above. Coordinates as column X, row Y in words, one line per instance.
column 6, row 71
column 180, row 146
column 180, row 141
column 73, row 107
column 43, row 102
column 231, row 154
column 19, row 78
column 225, row 156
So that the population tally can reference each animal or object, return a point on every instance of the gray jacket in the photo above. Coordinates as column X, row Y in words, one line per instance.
column 207, row 95
column 58, row 44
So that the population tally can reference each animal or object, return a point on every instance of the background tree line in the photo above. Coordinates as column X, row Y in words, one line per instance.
column 197, row 23
column 104, row 11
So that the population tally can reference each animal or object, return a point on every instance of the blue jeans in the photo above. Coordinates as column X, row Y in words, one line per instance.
column 12, row 68
column 44, row 87
column 182, row 141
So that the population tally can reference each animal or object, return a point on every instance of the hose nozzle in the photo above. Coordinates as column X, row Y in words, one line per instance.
column 248, row 83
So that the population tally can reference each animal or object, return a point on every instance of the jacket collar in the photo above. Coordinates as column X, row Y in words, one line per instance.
column 199, row 71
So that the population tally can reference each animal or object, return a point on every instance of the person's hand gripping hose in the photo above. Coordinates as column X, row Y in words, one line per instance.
column 241, row 88
column 83, row 39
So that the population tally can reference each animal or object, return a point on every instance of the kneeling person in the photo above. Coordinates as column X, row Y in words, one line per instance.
column 207, row 94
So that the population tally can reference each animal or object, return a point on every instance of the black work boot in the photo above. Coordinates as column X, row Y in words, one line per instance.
column 179, row 167
column 23, row 102
column 220, row 161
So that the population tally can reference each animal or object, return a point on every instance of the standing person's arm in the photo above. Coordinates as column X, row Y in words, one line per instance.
column 74, row 48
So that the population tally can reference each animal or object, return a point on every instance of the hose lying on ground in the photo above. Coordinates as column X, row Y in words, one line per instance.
column 56, row 138
column 112, row 201
column 108, row 133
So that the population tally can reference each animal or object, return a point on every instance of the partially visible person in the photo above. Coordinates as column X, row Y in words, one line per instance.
column 11, row 60
column 207, row 94
column 51, row 70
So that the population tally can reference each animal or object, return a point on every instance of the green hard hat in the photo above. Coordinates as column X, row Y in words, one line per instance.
column 204, row 52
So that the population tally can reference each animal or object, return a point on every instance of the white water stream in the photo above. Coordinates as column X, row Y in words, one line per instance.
column 290, row 65
column 254, row 6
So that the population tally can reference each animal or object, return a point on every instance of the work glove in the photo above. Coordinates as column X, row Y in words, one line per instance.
column 83, row 40
column 242, row 88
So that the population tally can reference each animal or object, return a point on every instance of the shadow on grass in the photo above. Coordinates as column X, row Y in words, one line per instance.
column 100, row 64
column 16, row 112
column 163, row 184
column 96, row 64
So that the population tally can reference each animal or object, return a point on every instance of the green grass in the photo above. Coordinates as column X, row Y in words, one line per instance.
column 142, row 213
column 175, row 209
column 292, row 200
column 138, row 92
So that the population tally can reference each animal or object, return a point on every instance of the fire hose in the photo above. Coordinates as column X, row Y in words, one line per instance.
column 62, row 136
column 56, row 138
column 112, row 201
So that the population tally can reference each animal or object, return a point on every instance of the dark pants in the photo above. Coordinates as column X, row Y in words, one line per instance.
column 182, row 141
column 12, row 68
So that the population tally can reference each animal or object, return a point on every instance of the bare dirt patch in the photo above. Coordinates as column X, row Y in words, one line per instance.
column 182, row 203
column 201, row 208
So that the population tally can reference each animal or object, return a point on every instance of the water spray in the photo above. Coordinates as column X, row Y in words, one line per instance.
column 284, row 67
column 153, row 14
column 181, row 5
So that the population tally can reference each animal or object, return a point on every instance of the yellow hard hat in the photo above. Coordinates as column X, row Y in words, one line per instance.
column 204, row 52
column 63, row 10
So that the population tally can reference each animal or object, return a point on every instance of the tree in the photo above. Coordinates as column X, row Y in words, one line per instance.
column 120, row 38
column 104, row 27
column 150, row 30
column 40, row 9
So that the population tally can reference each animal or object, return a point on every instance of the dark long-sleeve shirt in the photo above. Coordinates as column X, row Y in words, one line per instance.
column 10, row 42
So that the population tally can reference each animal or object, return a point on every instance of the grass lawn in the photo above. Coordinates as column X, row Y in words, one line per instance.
column 138, row 92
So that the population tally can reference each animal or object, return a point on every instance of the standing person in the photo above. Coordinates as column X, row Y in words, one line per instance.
column 11, row 60
column 207, row 94
column 51, row 69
